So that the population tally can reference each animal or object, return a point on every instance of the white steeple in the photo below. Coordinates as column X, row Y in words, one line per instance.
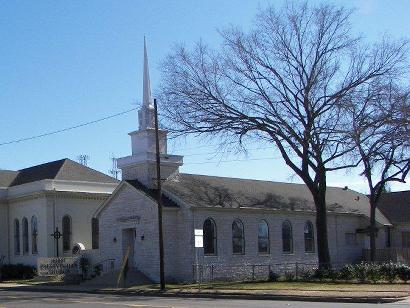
column 141, row 164
column 146, row 97
column 146, row 113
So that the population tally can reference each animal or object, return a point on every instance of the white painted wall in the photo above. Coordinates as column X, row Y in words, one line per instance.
column 27, row 208
column 3, row 233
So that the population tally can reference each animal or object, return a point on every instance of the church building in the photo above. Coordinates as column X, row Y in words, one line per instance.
column 240, row 222
column 243, row 222
column 37, row 201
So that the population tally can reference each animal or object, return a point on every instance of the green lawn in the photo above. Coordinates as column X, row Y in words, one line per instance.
column 302, row 286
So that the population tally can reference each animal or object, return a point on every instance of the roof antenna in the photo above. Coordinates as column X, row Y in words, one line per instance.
column 83, row 159
column 114, row 171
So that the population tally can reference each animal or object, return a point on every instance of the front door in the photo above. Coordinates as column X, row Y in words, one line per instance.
column 128, row 240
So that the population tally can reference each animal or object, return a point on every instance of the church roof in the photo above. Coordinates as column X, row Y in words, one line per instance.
column 64, row 169
column 223, row 192
column 7, row 177
column 153, row 193
column 396, row 206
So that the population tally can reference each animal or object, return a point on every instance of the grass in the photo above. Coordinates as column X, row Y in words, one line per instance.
column 294, row 286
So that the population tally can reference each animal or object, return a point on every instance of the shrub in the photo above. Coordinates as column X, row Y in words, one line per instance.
column 389, row 271
column 360, row 271
column 84, row 265
column 403, row 272
column 289, row 276
column 17, row 271
column 273, row 276
column 346, row 272
column 306, row 274
column 373, row 272
column 324, row 274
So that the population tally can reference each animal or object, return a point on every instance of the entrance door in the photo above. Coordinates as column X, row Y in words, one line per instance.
column 128, row 240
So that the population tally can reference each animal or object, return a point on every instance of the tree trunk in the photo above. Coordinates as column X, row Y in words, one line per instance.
column 372, row 230
column 321, row 227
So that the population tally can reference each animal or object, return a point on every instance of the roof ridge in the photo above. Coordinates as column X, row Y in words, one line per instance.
column 257, row 180
column 61, row 167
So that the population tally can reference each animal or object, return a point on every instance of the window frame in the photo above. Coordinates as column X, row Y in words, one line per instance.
column 70, row 240
column 95, row 233
column 267, row 238
column 214, row 237
column 34, row 235
column 291, row 248
column 17, row 243
column 309, row 224
column 25, row 234
column 239, row 223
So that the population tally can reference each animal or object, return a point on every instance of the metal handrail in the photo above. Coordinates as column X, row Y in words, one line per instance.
column 106, row 262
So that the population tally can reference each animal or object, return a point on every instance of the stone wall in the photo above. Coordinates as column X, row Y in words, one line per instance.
column 179, row 225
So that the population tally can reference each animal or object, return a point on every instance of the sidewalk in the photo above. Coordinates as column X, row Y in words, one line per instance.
column 348, row 296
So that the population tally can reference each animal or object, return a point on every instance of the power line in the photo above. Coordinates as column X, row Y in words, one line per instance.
column 231, row 160
column 217, row 153
column 68, row 128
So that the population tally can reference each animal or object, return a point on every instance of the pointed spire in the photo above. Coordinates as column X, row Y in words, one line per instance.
column 146, row 113
column 146, row 98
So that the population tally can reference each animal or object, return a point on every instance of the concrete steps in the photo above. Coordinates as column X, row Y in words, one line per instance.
column 109, row 280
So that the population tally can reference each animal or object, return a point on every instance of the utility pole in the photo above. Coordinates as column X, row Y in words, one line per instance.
column 159, row 199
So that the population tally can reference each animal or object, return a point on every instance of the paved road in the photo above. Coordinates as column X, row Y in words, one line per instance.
column 48, row 300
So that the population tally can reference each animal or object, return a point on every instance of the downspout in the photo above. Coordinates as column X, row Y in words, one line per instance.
column 54, row 218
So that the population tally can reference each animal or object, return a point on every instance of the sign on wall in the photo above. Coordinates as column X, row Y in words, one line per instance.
column 199, row 238
column 58, row 266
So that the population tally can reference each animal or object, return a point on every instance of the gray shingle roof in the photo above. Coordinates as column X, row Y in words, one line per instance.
column 7, row 177
column 64, row 169
column 211, row 191
column 153, row 193
column 396, row 206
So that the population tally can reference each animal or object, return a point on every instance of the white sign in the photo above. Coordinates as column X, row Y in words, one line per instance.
column 199, row 238
column 58, row 266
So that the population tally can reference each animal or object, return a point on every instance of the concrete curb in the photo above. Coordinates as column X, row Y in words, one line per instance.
column 204, row 294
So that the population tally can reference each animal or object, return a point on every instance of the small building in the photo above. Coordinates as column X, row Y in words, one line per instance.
column 35, row 201
column 396, row 207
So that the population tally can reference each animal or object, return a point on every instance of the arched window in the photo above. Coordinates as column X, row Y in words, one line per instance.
column 16, row 236
column 95, row 233
column 309, row 237
column 209, row 230
column 287, row 237
column 263, row 237
column 25, row 235
column 34, row 234
column 238, row 239
column 66, row 233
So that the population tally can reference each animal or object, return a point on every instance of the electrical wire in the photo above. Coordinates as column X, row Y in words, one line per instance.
column 67, row 128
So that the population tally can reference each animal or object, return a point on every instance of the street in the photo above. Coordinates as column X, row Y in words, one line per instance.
column 53, row 299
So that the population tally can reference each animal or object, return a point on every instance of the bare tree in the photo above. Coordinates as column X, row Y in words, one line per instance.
column 379, row 130
column 282, row 83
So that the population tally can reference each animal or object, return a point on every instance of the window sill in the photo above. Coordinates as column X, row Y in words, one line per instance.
column 310, row 252
column 288, row 253
column 210, row 255
column 264, row 254
column 238, row 254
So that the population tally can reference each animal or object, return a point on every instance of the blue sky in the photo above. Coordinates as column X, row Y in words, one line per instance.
column 63, row 63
